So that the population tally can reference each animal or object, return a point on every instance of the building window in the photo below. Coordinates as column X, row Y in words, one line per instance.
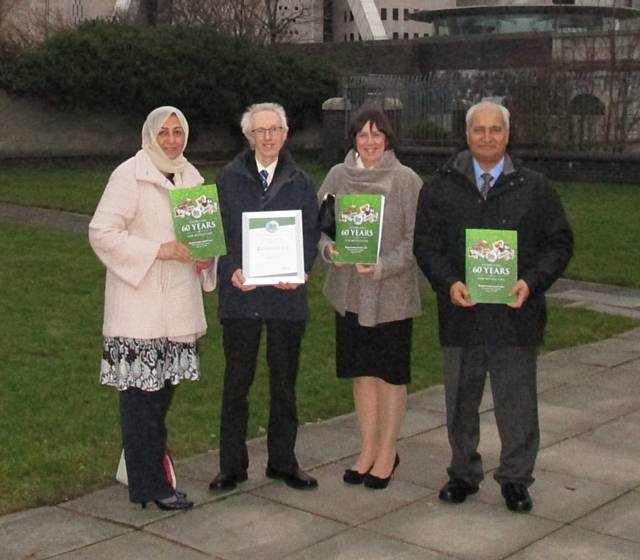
column 395, row 35
column 351, row 37
column 345, row 37
column 406, row 14
column 406, row 35
column 416, row 35
column 383, row 14
column 395, row 14
column 350, row 15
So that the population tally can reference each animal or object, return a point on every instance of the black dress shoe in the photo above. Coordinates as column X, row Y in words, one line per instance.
column 298, row 479
column 224, row 481
column 378, row 483
column 457, row 490
column 351, row 476
column 517, row 497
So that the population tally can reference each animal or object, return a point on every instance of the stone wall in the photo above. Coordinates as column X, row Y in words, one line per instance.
column 33, row 129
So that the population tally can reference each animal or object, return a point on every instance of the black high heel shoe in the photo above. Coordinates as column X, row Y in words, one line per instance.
column 172, row 503
column 352, row 476
column 377, row 483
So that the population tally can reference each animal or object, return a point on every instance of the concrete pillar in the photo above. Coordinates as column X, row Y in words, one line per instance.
column 334, row 130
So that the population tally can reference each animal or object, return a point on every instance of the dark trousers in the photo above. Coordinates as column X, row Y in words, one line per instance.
column 241, row 340
column 513, row 385
column 144, row 438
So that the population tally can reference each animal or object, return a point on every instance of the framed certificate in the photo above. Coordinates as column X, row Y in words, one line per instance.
column 272, row 247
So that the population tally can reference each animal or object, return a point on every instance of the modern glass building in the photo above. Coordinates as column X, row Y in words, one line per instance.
column 490, row 18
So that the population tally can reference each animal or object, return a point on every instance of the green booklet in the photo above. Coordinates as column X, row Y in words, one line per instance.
column 197, row 220
column 491, row 259
column 358, row 228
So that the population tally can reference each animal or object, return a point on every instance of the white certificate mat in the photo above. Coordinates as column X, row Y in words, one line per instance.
column 272, row 247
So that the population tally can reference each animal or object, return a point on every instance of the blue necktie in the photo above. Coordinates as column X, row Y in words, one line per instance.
column 486, row 184
column 263, row 179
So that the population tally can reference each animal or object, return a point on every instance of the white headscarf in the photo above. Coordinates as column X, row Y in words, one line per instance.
column 151, row 128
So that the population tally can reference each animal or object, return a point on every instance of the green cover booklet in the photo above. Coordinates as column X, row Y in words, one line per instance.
column 358, row 228
column 197, row 220
column 491, row 260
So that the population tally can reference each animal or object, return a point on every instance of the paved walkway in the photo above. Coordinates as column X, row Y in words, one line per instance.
column 587, row 490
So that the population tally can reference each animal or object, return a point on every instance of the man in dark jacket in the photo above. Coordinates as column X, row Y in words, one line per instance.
column 262, row 178
column 482, row 188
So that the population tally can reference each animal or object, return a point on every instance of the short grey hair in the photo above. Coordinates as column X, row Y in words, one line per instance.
column 486, row 104
column 247, row 116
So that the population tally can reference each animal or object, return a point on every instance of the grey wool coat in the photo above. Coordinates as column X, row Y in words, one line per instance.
column 391, row 293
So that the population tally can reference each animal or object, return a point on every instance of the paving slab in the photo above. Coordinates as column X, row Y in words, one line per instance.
column 350, row 504
column 473, row 530
column 621, row 433
column 552, row 374
column 244, row 527
column 424, row 461
column 619, row 518
column 566, row 422
column 630, row 335
column 136, row 545
column 572, row 543
column 44, row 532
column 359, row 544
column 113, row 503
column 559, row 497
column 585, row 459
column 604, row 402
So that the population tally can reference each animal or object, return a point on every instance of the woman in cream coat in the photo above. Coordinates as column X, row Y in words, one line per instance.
column 375, row 305
column 153, row 312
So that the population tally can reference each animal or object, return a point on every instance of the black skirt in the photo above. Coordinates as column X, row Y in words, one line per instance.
column 382, row 351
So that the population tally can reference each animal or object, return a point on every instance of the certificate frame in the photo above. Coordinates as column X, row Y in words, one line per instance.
column 272, row 247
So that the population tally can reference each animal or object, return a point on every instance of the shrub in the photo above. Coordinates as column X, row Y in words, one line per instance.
column 212, row 77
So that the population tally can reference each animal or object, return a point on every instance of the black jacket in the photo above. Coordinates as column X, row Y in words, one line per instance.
column 240, row 191
column 521, row 200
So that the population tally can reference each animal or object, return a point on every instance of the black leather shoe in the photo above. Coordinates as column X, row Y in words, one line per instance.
column 517, row 497
column 377, row 482
column 457, row 490
column 224, row 481
column 351, row 476
column 298, row 479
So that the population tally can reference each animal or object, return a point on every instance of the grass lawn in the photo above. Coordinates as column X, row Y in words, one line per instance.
column 59, row 430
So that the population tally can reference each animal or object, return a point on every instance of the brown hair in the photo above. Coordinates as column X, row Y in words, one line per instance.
column 376, row 117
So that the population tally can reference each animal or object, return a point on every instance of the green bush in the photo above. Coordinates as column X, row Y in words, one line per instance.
column 131, row 70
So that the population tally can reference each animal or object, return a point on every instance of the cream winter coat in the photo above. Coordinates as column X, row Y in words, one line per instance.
column 145, row 297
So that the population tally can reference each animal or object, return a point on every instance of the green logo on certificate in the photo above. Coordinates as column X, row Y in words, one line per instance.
column 197, row 220
column 358, row 228
column 491, row 261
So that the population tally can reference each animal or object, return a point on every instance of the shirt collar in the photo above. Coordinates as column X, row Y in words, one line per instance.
column 271, row 169
column 495, row 172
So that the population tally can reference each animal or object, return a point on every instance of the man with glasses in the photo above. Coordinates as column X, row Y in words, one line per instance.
column 264, row 177
column 483, row 188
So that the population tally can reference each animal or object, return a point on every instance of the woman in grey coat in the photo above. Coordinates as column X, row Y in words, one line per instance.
column 375, row 304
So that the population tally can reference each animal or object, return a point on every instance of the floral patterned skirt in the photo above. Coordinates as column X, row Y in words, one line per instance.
column 147, row 364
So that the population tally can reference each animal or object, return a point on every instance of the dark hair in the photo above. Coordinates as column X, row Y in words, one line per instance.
column 374, row 116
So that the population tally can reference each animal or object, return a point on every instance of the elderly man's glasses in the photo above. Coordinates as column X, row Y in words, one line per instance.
column 262, row 132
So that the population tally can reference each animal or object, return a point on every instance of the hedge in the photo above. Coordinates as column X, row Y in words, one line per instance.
column 129, row 69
